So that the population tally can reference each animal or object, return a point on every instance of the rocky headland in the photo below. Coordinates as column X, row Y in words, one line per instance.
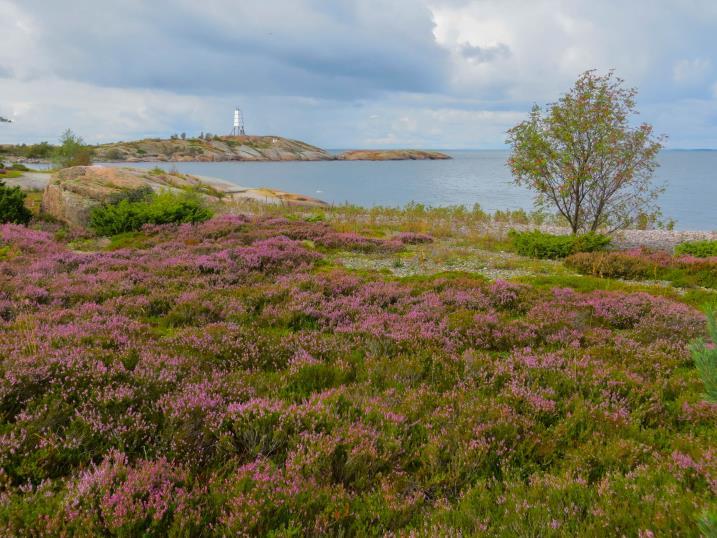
column 244, row 148
column 215, row 149
column 72, row 193
column 226, row 148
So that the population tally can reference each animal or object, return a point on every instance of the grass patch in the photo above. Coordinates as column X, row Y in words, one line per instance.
column 9, row 174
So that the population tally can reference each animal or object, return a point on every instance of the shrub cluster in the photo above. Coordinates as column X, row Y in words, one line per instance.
column 537, row 244
column 699, row 249
column 644, row 263
column 129, row 212
column 220, row 381
column 12, row 205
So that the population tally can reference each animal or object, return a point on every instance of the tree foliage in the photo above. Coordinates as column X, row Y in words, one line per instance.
column 582, row 156
column 72, row 151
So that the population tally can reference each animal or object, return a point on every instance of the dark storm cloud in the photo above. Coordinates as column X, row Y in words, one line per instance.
column 338, row 50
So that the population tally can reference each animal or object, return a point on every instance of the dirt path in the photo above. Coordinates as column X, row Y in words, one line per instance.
column 29, row 181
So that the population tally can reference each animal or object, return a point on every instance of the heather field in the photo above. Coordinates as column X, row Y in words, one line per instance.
column 272, row 376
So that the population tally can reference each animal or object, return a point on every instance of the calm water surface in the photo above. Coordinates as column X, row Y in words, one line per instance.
column 470, row 177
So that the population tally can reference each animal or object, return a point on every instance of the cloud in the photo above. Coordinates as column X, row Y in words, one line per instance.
column 691, row 71
column 285, row 47
column 434, row 73
column 485, row 54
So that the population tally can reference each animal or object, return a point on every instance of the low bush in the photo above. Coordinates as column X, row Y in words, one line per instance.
column 611, row 265
column 639, row 264
column 220, row 380
column 141, row 194
column 12, row 205
column 537, row 244
column 699, row 249
column 138, row 208
column 114, row 154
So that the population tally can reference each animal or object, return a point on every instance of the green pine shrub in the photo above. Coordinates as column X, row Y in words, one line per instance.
column 130, row 212
column 12, row 205
column 699, row 249
column 537, row 244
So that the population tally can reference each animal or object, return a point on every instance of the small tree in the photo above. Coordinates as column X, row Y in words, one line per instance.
column 582, row 157
column 12, row 205
column 72, row 151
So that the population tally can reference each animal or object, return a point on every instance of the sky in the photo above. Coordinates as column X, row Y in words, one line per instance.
column 346, row 73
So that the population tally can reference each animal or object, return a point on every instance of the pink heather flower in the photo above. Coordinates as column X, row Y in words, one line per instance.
column 300, row 359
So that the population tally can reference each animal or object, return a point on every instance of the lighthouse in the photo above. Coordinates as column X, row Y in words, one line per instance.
column 238, row 126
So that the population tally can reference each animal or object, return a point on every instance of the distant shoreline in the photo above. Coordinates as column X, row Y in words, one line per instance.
column 218, row 149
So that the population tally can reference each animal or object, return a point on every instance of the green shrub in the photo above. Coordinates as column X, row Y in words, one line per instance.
column 699, row 249
column 141, row 194
column 538, row 244
column 19, row 167
column 12, row 205
column 130, row 214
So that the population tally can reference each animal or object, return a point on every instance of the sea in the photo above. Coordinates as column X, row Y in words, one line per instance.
column 470, row 177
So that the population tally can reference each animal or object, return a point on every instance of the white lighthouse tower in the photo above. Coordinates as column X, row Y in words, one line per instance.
column 238, row 128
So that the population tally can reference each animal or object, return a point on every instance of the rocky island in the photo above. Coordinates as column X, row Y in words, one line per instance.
column 214, row 149
column 225, row 148
column 392, row 155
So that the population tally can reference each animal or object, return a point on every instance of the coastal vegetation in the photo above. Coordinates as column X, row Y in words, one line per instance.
column 12, row 205
column 72, row 151
column 539, row 244
column 135, row 208
column 179, row 359
column 643, row 263
column 290, row 371
column 699, row 249
column 584, row 159
column 9, row 171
